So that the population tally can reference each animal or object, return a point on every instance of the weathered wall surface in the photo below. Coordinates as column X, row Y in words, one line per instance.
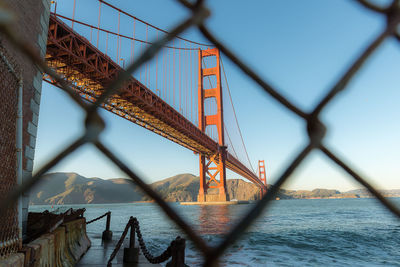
column 31, row 24
column 62, row 247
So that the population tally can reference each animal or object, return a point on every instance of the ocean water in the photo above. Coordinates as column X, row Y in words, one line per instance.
column 330, row 232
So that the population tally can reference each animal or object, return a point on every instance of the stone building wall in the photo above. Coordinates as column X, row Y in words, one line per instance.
column 31, row 23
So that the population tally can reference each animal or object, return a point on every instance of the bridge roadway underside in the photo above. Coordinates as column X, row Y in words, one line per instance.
column 90, row 71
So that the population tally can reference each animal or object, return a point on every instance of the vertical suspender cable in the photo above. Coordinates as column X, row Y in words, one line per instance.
column 179, row 77
column 147, row 75
column 106, row 42
column 141, row 69
column 187, row 79
column 230, row 141
column 234, row 113
column 133, row 40
column 119, row 20
column 163, row 68
column 73, row 15
column 157, row 66
column 173, row 75
column 98, row 25
column 191, row 87
column 145, row 65
column 168, row 75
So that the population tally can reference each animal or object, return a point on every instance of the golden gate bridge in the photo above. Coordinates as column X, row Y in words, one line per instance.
column 182, row 94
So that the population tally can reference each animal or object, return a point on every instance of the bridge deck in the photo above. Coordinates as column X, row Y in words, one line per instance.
column 90, row 71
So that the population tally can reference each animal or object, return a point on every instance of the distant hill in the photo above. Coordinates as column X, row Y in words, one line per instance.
column 366, row 194
column 318, row 193
column 185, row 187
column 72, row 188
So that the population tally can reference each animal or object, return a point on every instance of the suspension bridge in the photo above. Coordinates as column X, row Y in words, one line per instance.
column 182, row 94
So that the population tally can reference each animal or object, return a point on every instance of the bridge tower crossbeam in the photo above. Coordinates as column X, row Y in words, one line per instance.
column 215, row 165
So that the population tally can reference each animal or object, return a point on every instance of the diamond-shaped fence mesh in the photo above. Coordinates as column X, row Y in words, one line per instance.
column 315, row 128
column 9, row 233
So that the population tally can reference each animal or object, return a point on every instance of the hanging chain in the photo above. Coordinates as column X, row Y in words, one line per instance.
column 98, row 218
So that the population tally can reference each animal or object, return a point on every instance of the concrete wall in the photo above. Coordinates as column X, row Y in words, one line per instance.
column 63, row 247
column 32, row 24
column 60, row 248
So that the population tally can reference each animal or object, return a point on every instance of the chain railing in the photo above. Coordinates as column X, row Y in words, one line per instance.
column 108, row 213
column 107, row 233
column 175, row 249
column 316, row 130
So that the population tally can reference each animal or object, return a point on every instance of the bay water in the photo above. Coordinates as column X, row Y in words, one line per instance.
column 317, row 232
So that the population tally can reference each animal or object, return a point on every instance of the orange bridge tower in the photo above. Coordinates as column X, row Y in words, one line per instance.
column 262, row 176
column 213, row 166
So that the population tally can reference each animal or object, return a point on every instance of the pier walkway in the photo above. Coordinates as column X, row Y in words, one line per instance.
column 100, row 252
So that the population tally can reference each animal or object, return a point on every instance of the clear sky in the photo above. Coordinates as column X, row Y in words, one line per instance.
column 301, row 48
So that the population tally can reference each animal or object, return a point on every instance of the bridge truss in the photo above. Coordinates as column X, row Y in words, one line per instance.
column 90, row 71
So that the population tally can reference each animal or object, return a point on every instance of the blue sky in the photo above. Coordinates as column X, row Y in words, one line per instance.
column 299, row 47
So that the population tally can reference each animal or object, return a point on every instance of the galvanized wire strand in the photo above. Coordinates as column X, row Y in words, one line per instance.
column 386, row 203
column 258, row 209
column 198, row 241
column 148, row 54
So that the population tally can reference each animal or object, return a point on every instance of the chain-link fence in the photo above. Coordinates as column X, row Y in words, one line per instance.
column 9, row 233
column 315, row 128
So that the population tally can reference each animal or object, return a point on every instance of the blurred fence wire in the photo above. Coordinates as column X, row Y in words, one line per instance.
column 316, row 130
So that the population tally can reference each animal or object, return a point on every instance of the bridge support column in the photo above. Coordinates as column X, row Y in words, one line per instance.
column 222, row 192
column 203, row 182
column 212, row 166
column 262, row 177
column 215, row 169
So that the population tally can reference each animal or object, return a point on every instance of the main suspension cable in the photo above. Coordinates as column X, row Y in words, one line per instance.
column 234, row 113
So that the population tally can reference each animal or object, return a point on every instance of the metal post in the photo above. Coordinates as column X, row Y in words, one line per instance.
column 131, row 254
column 108, row 221
column 178, row 253
column 132, row 237
column 107, row 234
